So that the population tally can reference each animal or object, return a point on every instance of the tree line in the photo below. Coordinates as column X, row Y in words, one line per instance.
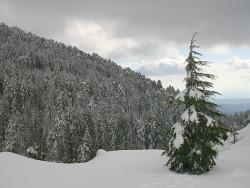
column 58, row 103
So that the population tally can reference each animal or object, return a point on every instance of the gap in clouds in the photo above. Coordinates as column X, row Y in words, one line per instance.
column 157, row 59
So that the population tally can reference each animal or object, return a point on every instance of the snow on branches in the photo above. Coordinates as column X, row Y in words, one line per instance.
column 193, row 136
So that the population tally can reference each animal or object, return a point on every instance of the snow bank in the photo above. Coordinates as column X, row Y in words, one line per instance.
column 123, row 169
column 100, row 153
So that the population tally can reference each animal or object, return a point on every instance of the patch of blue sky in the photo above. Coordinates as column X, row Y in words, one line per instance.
column 243, row 52
column 125, row 61
column 240, row 52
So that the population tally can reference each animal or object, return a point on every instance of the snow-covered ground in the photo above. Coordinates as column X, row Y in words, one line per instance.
column 127, row 169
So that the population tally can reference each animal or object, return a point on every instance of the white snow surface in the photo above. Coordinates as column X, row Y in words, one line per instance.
column 192, row 93
column 178, row 130
column 31, row 150
column 190, row 115
column 181, row 95
column 195, row 93
column 189, row 75
column 127, row 169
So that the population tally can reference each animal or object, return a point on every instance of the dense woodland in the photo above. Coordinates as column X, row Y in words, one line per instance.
column 58, row 103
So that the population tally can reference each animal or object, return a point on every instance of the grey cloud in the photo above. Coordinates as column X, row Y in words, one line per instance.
column 144, row 49
column 239, row 64
column 218, row 21
column 160, row 69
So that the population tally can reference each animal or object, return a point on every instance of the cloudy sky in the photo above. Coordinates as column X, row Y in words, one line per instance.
column 149, row 36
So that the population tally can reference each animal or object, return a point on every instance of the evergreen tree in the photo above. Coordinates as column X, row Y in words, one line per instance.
column 193, row 137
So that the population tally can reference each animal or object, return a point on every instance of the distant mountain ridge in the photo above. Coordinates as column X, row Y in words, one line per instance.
column 234, row 105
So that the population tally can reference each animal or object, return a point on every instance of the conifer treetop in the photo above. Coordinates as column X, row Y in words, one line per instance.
column 193, row 136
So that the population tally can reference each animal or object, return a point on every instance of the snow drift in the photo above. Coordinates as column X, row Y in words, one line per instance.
column 123, row 169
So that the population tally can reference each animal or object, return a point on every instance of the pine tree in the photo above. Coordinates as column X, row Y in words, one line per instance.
column 193, row 137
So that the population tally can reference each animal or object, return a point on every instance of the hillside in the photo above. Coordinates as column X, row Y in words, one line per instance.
column 141, row 168
column 58, row 103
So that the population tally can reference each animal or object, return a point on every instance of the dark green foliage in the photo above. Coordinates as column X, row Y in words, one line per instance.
column 198, row 130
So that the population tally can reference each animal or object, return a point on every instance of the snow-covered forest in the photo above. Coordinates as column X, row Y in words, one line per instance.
column 124, row 94
column 58, row 103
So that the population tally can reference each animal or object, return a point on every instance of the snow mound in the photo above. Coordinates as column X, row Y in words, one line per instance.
column 100, row 152
column 243, row 138
column 123, row 169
